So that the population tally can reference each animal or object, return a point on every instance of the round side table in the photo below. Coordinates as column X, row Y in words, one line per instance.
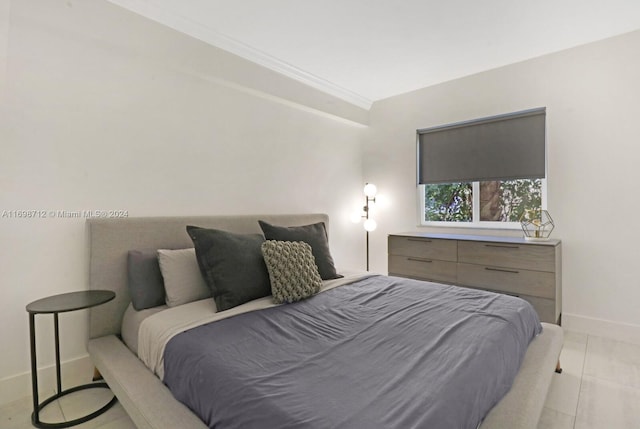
column 53, row 305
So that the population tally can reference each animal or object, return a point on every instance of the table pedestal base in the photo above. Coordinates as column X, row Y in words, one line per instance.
column 44, row 425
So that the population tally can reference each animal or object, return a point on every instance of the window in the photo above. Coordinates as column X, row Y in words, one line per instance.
column 492, row 203
column 449, row 202
column 483, row 172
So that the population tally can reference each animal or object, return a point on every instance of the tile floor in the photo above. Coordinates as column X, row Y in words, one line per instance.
column 17, row 415
column 599, row 388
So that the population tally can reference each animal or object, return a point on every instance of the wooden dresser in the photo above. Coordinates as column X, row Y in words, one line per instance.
column 511, row 265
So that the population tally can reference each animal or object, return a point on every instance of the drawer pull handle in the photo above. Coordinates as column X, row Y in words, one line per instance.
column 419, row 260
column 510, row 294
column 502, row 270
column 422, row 240
column 503, row 246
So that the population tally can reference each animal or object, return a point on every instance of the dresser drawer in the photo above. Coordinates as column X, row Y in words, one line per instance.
column 507, row 255
column 429, row 248
column 546, row 308
column 509, row 280
column 422, row 268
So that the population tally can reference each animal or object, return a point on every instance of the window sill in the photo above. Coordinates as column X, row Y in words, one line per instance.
column 500, row 226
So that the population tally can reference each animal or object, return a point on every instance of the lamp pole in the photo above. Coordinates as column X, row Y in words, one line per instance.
column 366, row 215
column 370, row 191
column 367, row 250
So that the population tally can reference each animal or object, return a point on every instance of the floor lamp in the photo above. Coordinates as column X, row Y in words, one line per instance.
column 370, row 192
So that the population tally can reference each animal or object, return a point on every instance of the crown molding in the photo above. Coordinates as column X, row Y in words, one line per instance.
column 236, row 47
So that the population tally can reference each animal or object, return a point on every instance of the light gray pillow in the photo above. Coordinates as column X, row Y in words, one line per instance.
column 292, row 270
column 183, row 281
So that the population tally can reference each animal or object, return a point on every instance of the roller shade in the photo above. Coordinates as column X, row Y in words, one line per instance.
column 503, row 147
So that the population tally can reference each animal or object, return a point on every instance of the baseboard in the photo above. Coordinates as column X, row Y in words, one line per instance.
column 625, row 332
column 74, row 372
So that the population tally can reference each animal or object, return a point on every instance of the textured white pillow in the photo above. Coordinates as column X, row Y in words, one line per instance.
column 183, row 281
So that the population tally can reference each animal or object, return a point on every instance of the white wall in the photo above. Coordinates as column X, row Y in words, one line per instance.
column 4, row 42
column 106, row 110
column 591, row 94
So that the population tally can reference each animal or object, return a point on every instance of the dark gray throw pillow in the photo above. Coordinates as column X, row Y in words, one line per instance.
column 232, row 265
column 315, row 235
column 146, row 285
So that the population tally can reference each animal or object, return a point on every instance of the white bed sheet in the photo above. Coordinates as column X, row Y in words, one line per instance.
column 131, row 321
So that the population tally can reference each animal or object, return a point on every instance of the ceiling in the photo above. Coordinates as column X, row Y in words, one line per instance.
column 366, row 50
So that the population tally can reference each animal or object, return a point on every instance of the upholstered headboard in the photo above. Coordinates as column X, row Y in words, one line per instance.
column 111, row 239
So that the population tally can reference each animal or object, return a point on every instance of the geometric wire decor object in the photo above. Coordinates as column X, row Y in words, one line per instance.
column 537, row 225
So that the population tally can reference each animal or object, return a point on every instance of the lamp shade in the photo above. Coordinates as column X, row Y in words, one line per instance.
column 370, row 190
column 370, row 225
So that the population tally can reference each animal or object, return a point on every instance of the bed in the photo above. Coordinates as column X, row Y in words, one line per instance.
column 149, row 402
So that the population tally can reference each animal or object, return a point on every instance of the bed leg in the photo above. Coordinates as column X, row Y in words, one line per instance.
column 97, row 376
column 558, row 367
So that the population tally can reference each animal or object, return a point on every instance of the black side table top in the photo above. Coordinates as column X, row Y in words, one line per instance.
column 70, row 301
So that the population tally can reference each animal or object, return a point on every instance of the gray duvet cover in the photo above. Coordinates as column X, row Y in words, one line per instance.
column 382, row 352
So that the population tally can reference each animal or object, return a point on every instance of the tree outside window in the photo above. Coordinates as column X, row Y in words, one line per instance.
column 497, row 201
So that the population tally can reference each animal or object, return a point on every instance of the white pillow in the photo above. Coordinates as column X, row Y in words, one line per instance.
column 183, row 281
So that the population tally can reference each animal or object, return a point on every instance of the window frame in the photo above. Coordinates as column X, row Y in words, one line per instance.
column 476, row 222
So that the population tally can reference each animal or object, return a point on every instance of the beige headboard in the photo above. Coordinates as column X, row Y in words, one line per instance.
column 111, row 239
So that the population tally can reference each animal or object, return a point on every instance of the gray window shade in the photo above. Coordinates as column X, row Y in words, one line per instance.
column 504, row 147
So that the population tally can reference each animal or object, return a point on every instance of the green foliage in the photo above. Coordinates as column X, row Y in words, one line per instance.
column 518, row 196
column 451, row 202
